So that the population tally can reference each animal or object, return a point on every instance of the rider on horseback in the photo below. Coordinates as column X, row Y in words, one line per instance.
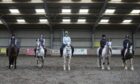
column 66, row 40
column 103, row 42
column 13, row 40
column 42, row 42
column 126, row 43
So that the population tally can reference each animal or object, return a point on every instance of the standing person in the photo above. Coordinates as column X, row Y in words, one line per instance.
column 66, row 40
column 103, row 42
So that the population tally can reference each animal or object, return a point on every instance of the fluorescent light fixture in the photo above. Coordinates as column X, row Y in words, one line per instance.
column 127, row 21
column 104, row 20
column 14, row 11
column 20, row 20
column 116, row 0
column 111, row 11
column 83, row 11
column 43, row 20
column 81, row 20
column 66, row 20
column 0, row 22
column 6, row 0
column 135, row 11
column 39, row 10
column 66, row 10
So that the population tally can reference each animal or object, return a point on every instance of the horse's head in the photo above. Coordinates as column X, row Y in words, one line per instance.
column 68, row 47
column 107, row 46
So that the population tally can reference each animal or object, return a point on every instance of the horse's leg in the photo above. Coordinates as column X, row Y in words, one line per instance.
column 125, row 64
column 108, row 62
column 100, row 61
column 12, row 61
column 69, row 61
column 37, row 60
column 15, row 61
column 42, row 61
column 103, row 62
column 9, row 61
column 64, row 65
column 131, row 63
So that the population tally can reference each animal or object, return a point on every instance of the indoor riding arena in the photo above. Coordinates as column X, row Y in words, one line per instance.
column 69, row 41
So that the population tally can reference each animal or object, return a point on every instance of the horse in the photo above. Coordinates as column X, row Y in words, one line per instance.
column 67, row 54
column 40, row 54
column 61, row 51
column 104, row 56
column 12, row 53
column 128, row 54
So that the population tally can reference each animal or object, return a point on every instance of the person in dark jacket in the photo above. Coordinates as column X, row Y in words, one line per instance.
column 102, row 43
column 13, row 40
column 126, row 43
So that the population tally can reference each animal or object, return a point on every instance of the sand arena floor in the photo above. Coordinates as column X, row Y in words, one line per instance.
column 84, row 70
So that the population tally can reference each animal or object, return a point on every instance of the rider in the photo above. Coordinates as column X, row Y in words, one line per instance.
column 103, row 42
column 13, row 40
column 41, row 40
column 66, row 40
column 126, row 43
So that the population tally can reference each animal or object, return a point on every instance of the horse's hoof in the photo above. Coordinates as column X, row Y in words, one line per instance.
column 108, row 68
column 69, row 69
column 64, row 69
column 103, row 68
column 122, row 65
column 11, row 66
column 98, row 65
column 125, row 68
column 132, row 68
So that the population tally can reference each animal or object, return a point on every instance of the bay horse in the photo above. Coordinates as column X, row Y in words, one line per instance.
column 12, row 53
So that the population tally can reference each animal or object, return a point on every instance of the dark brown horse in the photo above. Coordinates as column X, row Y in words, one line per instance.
column 12, row 53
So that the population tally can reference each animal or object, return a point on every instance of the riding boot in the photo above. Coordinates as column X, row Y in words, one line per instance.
column 35, row 52
column 72, row 50
column 61, row 52
column 100, row 52
column 45, row 52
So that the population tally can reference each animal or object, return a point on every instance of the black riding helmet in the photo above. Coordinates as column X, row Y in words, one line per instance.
column 103, row 35
column 127, row 36
column 13, row 34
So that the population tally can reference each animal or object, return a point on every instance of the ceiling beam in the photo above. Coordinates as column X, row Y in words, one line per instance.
column 68, row 1
column 137, row 29
column 47, row 13
column 6, row 25
column 100, row 15
column 73, row 14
